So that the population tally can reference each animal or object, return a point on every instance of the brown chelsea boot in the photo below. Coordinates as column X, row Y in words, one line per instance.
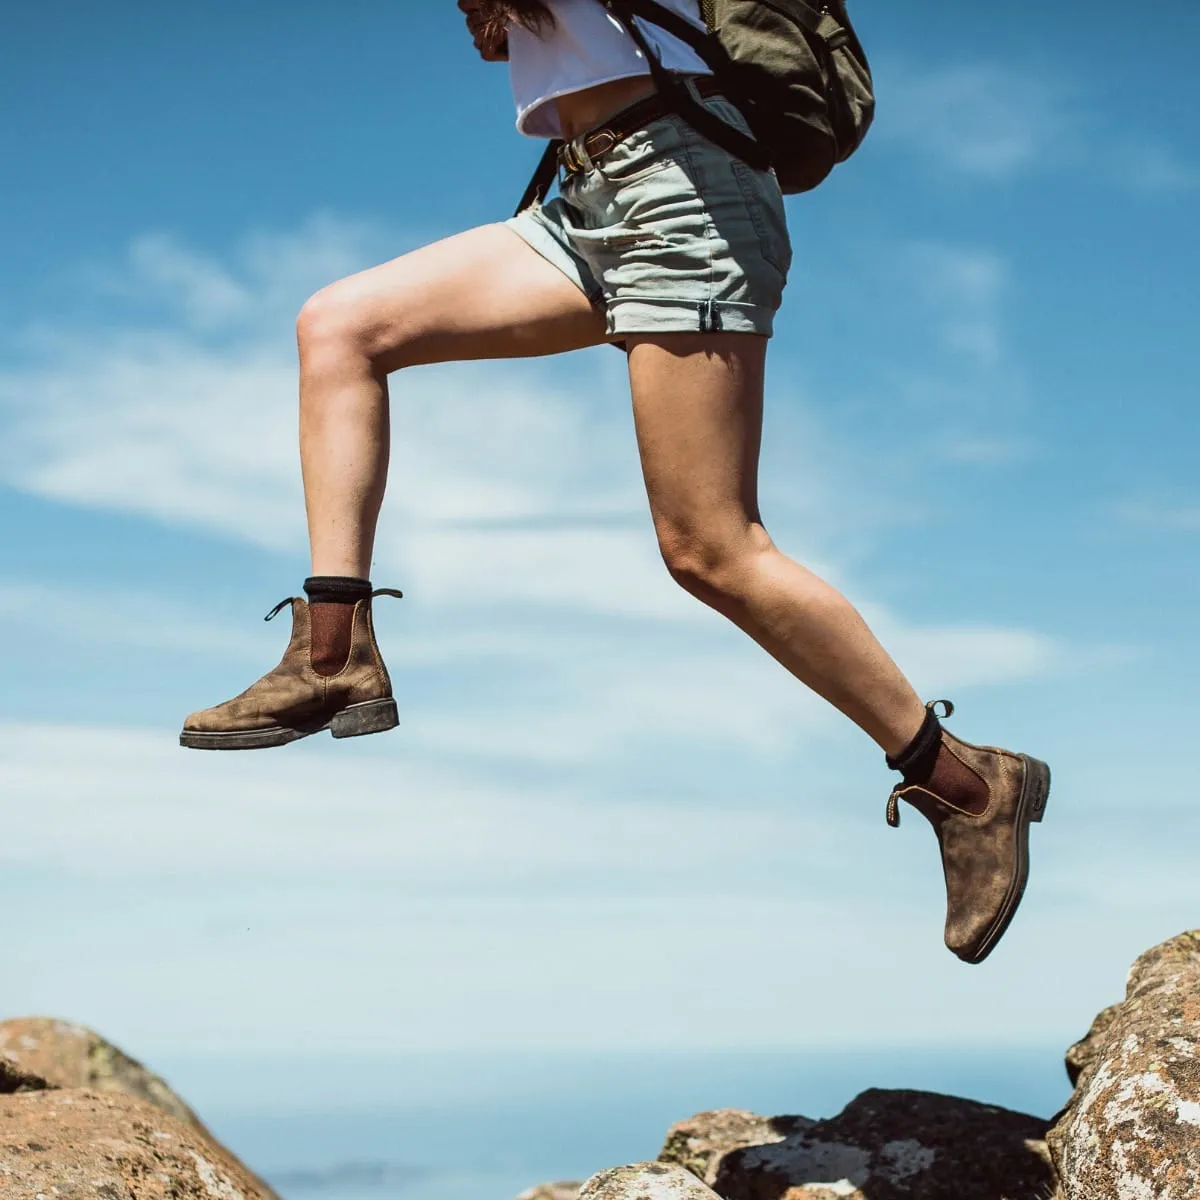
column 350, row 694
column 981, row 802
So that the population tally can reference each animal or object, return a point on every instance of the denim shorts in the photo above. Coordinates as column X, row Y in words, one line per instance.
column 668, row 233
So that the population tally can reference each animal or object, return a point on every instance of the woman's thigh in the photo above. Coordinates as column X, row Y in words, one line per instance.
column 698, row 403
column 481, row 294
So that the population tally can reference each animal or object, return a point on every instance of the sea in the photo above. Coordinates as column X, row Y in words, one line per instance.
column 457, row 1126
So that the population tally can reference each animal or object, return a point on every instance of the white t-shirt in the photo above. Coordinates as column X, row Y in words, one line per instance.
column 584, row 48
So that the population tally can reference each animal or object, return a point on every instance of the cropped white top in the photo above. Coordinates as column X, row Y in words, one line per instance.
column 586, row 47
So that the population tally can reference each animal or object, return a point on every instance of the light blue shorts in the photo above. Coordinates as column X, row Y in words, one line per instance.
column 668, row 233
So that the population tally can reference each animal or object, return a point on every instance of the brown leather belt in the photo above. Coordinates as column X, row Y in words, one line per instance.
column 599, row 141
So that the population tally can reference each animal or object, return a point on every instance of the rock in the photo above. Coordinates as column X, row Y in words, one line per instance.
column 72, row 1143
column 1132, row 1128
column 1081, row 1055
column 72, row 1103
column 646, row 1181
column 886, row 1145
column 71, row 1056
column 552, row 1191
column 701, row 1144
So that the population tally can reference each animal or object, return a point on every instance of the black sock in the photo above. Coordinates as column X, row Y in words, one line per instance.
column 916, row 761
column 336, row 589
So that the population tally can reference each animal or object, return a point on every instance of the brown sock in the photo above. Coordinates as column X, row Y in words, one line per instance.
column 954, row 781
column 332, row 633
column 928, row 762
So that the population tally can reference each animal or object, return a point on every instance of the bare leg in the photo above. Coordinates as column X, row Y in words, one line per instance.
column 481, row 294
column 698, row 407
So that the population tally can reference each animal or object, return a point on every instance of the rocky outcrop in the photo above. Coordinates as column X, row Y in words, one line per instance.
column 79, row 1118
column 552, row 1191
column 1132, row 1128
column 72, row 1056
column 77, row 1143
column 1130, row 1132
column 703, row 1143
column 885, row 1145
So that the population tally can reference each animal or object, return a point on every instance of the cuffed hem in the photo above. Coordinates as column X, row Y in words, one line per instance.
column 669, row 314
column 537, row 234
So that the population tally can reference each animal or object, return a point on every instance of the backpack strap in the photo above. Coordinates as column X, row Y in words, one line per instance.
column 675, row 92
column 543, row 177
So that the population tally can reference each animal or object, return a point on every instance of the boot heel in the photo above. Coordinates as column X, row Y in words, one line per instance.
column 1038, row 776
column 375, row 716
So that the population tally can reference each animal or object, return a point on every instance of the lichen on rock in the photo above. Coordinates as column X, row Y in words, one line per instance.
column 1132, row 1128
column 646, row 1181
column 885, row 1145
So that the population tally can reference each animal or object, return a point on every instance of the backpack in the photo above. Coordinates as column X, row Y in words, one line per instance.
column 797, row 73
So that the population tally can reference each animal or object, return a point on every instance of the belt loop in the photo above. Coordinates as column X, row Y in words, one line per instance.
column 582, row 157
column 710, row 317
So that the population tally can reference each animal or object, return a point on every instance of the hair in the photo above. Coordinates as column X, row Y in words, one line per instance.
column 534, row 15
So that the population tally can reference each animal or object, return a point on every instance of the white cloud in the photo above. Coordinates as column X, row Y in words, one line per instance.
column 1153, row 167
column 1163, row 516
column 963, row 289
column 982, row 119
column 446, row 908
column 125, row 801
column 994, row 122
column 112, row 617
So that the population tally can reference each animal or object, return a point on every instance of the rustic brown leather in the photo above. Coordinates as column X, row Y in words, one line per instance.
column 294, row 695
column 984, row 854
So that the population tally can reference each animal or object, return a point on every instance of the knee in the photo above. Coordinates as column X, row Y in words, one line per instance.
column 706, row 565
column 336, row 323
column 713, row 564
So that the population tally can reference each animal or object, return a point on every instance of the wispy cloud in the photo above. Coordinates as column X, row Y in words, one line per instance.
column 957, row 369
column 1159, row 515
column 963, row 290
column 1154, row 167
column 118, row 618
column 987, row 120
column 996, row 121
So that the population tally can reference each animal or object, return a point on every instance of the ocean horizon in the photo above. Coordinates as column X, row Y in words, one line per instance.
column 458, row 1126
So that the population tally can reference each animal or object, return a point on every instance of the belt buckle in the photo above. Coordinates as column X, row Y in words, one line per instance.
column 599, row 150
column 569, row 157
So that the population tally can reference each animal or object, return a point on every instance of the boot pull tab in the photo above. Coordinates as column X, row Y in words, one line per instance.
column 893, row 810
column 387, row 592
column 280, row 607
column 946, row 706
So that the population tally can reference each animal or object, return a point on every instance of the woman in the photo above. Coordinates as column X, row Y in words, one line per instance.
column 664, row 243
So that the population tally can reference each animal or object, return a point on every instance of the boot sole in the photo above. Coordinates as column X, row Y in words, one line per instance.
column 1031, row 808
column 372, row 716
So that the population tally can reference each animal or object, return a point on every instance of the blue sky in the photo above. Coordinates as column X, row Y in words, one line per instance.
column 607, row 820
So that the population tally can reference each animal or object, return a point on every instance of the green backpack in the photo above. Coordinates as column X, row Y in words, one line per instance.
column 797, row 73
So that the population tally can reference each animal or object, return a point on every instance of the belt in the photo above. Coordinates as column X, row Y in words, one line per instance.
column 599, row 141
